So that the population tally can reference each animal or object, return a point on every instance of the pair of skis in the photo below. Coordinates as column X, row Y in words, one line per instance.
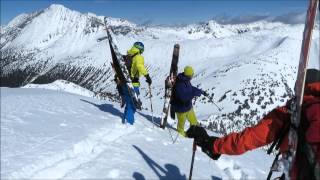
column 121, row 70
column 169, row 83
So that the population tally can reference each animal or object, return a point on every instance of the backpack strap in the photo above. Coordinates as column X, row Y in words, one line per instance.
column 276, row 144
column 285, row 130
column 128, row 62
column 135, row 75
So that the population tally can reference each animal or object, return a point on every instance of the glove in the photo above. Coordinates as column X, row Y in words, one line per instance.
column 205, row 93
column 196, row 92
column 203, row 140
column 169, row 82
column 148, row 79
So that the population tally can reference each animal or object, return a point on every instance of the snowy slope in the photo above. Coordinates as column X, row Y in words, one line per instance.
column 247, row 68
column 51, row 134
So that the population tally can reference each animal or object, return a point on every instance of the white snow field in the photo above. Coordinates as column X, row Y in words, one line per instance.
column 49, row 134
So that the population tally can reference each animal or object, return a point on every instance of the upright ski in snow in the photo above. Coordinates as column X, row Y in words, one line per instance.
column 300, row 82
column 121, row 69
column 169, row 82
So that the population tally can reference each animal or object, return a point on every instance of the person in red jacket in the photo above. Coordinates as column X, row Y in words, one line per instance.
column 269, row 129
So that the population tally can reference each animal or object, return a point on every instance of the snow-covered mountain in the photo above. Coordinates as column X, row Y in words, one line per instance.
column 247, row 68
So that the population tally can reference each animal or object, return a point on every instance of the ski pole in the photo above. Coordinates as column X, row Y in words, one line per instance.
column 273, row 164
column 213, row 102
column 194, row 148
column 151, row 106
column 216, row 106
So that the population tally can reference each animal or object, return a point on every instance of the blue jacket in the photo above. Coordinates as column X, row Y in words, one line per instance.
column 183, row 93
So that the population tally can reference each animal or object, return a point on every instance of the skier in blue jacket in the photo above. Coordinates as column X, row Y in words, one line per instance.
column 183, row 93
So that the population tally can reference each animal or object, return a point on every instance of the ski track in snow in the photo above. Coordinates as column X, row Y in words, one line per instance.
column 83, row 151
column 71, row 147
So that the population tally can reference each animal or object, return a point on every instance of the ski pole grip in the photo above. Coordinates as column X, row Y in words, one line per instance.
column 194, row 146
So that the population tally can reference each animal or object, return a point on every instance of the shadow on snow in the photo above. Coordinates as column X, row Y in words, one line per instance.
column 169, row 171
column 106, row 108
column 156, row 120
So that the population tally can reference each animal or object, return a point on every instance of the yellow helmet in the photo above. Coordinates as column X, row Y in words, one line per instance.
column 188, row 71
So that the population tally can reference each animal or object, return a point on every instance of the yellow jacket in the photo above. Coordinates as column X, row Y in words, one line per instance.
column 137, row 67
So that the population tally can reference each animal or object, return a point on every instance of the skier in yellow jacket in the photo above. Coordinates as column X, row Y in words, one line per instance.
column 135, row 65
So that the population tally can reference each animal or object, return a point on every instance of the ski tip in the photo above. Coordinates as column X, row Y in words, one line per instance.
column 176, row 46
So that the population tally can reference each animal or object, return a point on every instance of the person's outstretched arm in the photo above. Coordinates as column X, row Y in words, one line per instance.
column 265, row 132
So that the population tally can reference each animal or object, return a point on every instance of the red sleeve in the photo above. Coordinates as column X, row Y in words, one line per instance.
column 250, row 138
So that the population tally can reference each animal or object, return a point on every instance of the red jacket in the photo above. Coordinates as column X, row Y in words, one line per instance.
column 268, row 129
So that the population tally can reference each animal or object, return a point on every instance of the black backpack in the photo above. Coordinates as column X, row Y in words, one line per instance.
column 128, row 61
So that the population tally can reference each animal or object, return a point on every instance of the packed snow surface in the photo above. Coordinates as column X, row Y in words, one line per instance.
column 53, row 134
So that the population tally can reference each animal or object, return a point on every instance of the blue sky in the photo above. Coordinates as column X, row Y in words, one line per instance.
column 156, row 12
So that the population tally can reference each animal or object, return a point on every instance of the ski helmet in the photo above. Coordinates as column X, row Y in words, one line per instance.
column 188, row 71
column 140, row 46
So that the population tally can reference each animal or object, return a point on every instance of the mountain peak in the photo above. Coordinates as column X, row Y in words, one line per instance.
column 55, row 8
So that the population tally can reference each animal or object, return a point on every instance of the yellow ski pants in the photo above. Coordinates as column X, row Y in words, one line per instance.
column 190, row 115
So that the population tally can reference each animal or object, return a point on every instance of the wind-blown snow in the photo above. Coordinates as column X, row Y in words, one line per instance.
column 50, row 134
